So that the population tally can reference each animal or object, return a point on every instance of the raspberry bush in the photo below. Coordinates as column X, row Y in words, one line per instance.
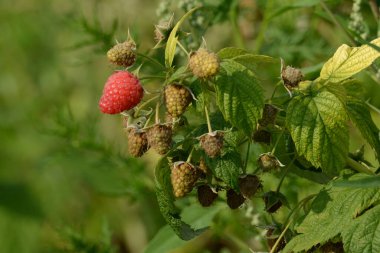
column 218, row 134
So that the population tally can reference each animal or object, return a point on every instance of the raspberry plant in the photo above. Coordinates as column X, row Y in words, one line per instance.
column 211, row 109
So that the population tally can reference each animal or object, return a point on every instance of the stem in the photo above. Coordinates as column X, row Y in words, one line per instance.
column 151, row 60
column 145, row 103
column 374, row 9
column 286, row 170
column 247, row 157
column 208, row 121
column 359, row 167
column 374, row 108
column 151, row 77
column 274, row 91
column 190, row 155
column 277, row 141
column 183, row 48
column 157, row 118
column 336, row 22
column 289, row 221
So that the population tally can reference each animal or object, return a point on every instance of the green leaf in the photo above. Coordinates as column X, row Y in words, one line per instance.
column 252, row 61
column 366, row 182
column 166, row 240
column 239, row 95
column 364, row 234
column 347, row 61
column 228, row 168
column 351, row 213
column 173, row 39
column 166, row 200
column 231, row 52
column 317, row 124
column 360, row 115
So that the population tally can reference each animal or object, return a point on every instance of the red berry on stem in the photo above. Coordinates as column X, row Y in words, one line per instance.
column 121, row 92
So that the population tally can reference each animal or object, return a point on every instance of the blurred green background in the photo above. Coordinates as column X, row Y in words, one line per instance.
column 66, row 181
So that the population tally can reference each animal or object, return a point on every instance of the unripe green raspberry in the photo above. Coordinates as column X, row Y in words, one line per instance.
column 137, row 142
column 177, row 98
column 204, row 64
column 183, row 177
column 122, row 54
column 212, row 143
column 160, row 138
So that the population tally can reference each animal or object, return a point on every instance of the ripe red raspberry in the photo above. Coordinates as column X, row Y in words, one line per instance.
column 122, row 91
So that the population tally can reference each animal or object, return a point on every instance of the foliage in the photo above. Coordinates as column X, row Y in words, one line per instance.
column 64, row 168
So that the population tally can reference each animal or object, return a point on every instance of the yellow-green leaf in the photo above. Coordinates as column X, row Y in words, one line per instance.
column 347, row 61
column 173, row 39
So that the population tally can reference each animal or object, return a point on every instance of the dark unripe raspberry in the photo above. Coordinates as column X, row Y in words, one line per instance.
column 122, row 54
column 273, row 201
column 262, row 136
column 212, row 143
column 234, row 200
column 137, row 142
column 268, row 162
column 204, row 64
column 206, row 195
column 331, row 247
column 183, row 177
column 291, row 77
column 249, row 185
column 269, row 115
column 160, row 138
column 177, row 98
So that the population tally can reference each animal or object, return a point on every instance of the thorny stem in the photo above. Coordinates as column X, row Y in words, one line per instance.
column 336, row 22
column 235, row 27
column 286, row 170
column 183, row 48
column 290, row 220
column 359, row 167
column 263, row 27
column 208, row 121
